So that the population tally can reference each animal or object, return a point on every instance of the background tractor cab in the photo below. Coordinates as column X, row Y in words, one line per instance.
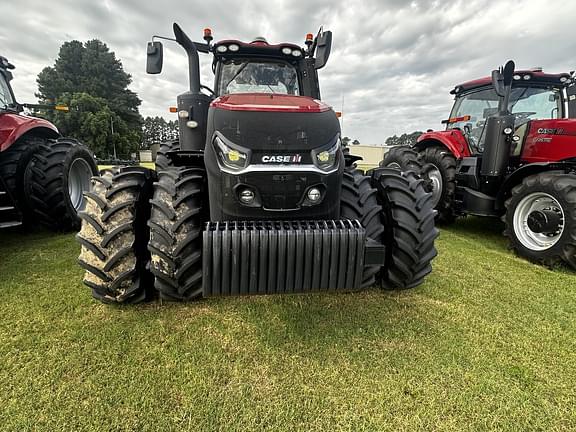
column 256, row 196
column 509, row 149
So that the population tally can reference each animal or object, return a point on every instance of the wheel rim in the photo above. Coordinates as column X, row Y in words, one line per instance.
column 435, row 177
column 79, row 176
column 537, row 202
column 394, row 165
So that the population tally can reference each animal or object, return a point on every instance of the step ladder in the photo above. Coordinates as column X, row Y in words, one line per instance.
column 10, row 215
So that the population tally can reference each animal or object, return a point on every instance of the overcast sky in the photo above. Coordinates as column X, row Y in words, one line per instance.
column 393, row 61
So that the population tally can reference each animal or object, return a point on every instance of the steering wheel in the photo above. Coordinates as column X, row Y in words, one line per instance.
column 522, row 117
column 208, row 89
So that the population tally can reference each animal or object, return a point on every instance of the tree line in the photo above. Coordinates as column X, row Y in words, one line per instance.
column 102, row 112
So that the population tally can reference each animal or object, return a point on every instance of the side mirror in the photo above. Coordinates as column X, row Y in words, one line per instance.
column 498, row 82
column 324, row 45
column 508, row 73
column 154, row 57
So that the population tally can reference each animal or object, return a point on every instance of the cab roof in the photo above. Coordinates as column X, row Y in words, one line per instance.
column 536, row 76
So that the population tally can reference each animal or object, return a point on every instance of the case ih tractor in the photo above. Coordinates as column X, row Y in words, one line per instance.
column 509, row 150
column 42, row 175
column 256, row 197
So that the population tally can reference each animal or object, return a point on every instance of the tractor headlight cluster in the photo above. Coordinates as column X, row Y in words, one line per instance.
column 224, row 48
column 327, row 159
column 230, row 157
column 293, row 52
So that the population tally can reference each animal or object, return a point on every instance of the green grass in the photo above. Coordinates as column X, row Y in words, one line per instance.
column 488, row 342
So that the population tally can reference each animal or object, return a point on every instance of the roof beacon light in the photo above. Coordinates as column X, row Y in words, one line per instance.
column 208, row 35
column 309, row 39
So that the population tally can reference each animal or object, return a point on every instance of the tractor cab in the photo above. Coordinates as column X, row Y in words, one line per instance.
column 534, row 95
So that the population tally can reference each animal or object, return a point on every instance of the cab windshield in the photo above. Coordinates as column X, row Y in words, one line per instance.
column 6, row 100
column 258, row 76
column 526, row 103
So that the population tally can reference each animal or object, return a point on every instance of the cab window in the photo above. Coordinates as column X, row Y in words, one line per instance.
column 6, row 100
column 253, row 76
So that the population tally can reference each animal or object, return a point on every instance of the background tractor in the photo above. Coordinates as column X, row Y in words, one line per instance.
column 42, row 175
column 509, row 150
column 256, row 196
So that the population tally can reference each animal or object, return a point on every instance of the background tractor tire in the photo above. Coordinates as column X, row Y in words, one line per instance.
column 409, row 235
column 176, row 226
column 14, row 165
column 440, row 170
column 358, row 201
column 553, row 193
column 114, row 236
column 60, row 173
column 403, row 158
column 162, row 160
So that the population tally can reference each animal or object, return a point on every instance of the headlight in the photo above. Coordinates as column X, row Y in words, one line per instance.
column 326, row 159
column 230, row 157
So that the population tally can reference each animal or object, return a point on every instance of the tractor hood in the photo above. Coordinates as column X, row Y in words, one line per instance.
column 273, row 121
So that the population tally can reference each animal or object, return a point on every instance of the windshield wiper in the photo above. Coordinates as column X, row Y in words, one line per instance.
column 238, row 72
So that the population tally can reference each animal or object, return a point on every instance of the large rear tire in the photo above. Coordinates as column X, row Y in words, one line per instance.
column 541, row 218
column 60, row 173
column 359, row 201
column 403, row 158
column 409, row 235
column 176, row 226
column 14, row 165
column 114, row 236
column 440, row 170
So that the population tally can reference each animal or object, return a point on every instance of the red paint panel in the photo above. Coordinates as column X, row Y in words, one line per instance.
column 550, row 141
column 269, row 103
column 452, row 139
column 13, row 126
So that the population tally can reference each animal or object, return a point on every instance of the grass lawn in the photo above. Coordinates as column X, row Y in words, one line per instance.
column 488, row 342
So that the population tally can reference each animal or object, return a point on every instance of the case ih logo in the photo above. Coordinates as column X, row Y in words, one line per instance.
column 282, row 158
column 546, row 131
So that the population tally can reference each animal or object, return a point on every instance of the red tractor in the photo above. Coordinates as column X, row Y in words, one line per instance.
column 509, row 151
column 42, row 176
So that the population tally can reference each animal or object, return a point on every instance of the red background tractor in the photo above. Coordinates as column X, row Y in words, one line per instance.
column 509, row 150
column 42, row 175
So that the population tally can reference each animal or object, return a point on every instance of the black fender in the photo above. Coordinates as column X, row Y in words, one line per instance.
column 524, row 171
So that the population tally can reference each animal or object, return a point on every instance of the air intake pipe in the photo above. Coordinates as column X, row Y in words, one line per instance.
column 500, row 127
column 192, row 105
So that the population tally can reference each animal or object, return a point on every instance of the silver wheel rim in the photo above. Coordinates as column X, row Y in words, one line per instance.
column 394, row 165
column 435, row 177
column 79, row 181
column 537, row 201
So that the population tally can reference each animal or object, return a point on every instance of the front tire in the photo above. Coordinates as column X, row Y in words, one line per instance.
column 163, row 162
column 176, row 226
column 59, row 176
column 408, row 216
column 114, row 236
column 358, row 201
column 440, row 170
column 402, row 158
column 541, row 219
